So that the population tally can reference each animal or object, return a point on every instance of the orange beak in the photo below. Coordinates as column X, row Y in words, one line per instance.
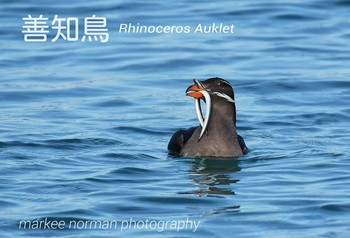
column 195, row 91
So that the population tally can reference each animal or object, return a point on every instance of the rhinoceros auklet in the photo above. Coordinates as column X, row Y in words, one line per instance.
column 216, row 136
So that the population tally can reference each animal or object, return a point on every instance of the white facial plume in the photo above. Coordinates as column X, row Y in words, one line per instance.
column 223, row 95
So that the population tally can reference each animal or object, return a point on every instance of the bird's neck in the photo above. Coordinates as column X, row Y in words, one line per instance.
column 223, row 117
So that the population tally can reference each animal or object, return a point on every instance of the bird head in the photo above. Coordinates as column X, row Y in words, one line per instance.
column 213, row 89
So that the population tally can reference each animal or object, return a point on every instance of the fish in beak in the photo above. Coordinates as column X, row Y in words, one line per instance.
column 198, row 92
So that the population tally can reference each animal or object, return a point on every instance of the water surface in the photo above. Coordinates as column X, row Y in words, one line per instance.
column 85, row 126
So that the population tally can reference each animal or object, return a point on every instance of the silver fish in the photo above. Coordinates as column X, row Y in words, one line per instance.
column 204, row 123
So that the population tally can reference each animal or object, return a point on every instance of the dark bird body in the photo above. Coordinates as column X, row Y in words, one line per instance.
column 220, row 138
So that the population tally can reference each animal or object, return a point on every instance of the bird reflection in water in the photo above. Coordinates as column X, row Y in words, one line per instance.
column 213, row 176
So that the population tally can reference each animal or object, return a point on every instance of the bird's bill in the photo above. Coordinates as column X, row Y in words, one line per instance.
column 195, row 91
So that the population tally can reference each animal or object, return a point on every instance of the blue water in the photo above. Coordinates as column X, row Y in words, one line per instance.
column 85, row 125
